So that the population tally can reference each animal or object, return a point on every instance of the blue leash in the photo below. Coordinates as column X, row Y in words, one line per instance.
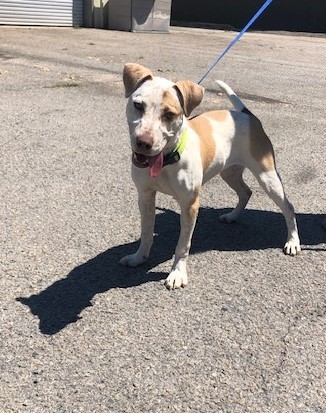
column 259, row 12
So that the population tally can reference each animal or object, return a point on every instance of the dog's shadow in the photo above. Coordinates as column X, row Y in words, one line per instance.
column 62, row 302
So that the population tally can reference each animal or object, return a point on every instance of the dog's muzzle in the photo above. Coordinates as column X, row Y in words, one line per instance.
column 154, row 163
column 157, row 162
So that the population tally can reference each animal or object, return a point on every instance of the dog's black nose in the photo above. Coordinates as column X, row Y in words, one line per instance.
column 144, row 143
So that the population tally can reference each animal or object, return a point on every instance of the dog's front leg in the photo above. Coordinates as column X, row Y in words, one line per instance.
column 146, row 202
column 178, row 276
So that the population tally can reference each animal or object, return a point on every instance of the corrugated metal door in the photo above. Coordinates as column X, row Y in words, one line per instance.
column 42, row 12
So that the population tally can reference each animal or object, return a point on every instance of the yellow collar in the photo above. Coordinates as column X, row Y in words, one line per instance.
column 175, row 155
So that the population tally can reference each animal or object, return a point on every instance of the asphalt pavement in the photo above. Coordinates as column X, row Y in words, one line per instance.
column 81, row 334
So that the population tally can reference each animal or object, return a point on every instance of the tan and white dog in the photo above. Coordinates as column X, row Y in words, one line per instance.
column 176, row 156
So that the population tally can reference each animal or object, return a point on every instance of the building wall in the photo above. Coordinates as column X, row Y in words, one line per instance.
column 289, row 15
column 41, row 12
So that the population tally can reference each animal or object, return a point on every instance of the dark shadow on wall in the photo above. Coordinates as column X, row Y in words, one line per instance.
column 141, row 14
column 290, row 15
column 61, row 302
column 77, row 13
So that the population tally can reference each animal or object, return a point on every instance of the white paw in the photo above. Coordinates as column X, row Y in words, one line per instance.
column 176, row 279
column 292, row 247
column 132, row 260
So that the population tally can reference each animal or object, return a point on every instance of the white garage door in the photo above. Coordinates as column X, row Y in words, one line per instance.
column 42, row 12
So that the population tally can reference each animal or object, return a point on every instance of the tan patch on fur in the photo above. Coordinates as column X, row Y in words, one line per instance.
column 192, row 94
column 261, row 147
column 194, row 206
column 170, row 104
column 218, row 115
column 202, row 126
column 133, row 75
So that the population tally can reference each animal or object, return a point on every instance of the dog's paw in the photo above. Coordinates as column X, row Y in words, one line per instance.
column 228, row 218
column 176, row 279
column 292, row 247
column 132, row 260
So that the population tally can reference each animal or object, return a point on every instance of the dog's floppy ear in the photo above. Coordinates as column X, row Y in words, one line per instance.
column 191, row 95
column 133, row 76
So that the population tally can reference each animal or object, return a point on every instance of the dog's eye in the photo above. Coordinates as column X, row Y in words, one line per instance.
column 138, row 106
column 168, row 116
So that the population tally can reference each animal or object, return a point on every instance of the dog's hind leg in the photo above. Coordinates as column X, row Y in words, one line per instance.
column 271, row 183
column 233, row 177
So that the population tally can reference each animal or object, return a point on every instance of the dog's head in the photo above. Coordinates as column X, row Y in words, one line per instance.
column 155, row 111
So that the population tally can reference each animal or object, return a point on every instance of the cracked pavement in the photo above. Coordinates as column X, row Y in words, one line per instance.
column 79, row 333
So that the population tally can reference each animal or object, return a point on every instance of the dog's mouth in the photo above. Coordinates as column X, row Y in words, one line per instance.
column 154, row 163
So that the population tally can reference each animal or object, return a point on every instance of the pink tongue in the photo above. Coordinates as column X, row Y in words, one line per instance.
column 155, row 164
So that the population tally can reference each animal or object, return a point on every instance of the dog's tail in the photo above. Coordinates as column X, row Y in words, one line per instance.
column 235, row 100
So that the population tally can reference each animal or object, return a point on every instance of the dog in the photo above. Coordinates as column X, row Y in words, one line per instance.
column 177, row 155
